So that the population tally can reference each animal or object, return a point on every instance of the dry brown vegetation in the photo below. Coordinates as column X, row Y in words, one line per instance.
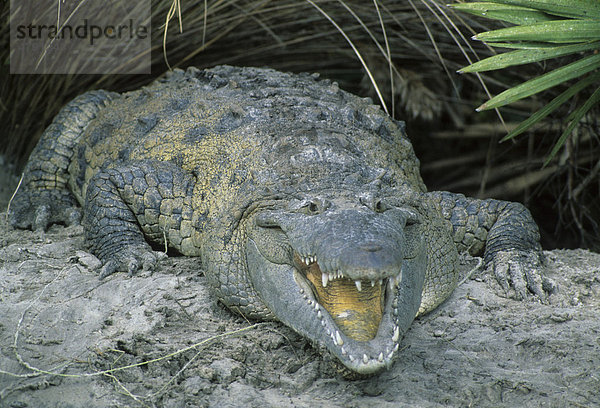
column 427, row 43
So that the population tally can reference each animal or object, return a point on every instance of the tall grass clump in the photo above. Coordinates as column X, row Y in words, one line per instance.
column 402, row 54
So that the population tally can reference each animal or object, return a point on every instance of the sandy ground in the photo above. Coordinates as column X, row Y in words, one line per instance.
column 65, row 337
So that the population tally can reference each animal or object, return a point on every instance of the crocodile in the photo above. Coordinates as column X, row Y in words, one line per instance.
column 303, row 203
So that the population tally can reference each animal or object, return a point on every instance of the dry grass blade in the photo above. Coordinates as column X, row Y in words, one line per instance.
column 389, row 57
column 461, row 48
column 358, row 54
column 175, row 7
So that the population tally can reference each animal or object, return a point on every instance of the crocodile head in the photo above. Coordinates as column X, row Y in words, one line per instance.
column 348, row 276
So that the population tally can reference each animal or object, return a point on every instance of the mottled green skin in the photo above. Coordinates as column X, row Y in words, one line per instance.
column 194, row 160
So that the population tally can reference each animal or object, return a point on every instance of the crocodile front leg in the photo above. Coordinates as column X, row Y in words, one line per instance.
column 127, row 207
column 505, row 234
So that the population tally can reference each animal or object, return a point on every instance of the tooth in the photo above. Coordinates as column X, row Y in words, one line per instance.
column 301, row 291
column 343, row 351
column 380, row 358
column 334, row 341
column 380, row 282
column 358, row 285
column 365, row 359
column 389, row 356
column 319, row 314
column 396, row 347
column 322, row 321
column 350, row 357
column 316, row 306
column 372, row 283
column 324, row 279
column 396, row 335
column 331, row 276
column 395, row 312
column 338, row 338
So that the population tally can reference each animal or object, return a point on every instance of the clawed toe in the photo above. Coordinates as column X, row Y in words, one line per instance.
column 519, row 275
column 132, row 259
column 40, row 209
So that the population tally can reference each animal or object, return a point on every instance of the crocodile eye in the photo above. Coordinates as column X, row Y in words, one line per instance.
column 314, row 206
column 309, row 205
column 374, row 203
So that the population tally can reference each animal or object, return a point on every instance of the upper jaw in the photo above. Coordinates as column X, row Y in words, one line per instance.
column 359, row 277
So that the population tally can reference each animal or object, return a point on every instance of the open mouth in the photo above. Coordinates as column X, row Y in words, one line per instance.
column 356, row 306
column 350, row 295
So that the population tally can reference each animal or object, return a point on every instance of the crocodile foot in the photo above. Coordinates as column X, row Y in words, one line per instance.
column 519, row 273
column 38, row 209
column 131, row 259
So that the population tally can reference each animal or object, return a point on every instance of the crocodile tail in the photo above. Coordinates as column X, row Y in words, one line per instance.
column 48, row 164
column 43, row 197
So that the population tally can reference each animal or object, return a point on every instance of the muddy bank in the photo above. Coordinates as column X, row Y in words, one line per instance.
column 478, row 349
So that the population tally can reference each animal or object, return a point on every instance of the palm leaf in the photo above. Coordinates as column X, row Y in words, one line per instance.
column 527, row 56
column 552, row 106
column 510, row 14
column 528, row 45
column 560, row 31
column 543, row 82
column 564, row 8
column 540, row 26
column 576, row 116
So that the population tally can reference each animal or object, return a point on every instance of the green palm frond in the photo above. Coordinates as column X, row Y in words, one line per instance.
column 542, row 30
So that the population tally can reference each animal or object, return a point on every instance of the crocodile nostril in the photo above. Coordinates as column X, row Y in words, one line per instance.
column 371, row 247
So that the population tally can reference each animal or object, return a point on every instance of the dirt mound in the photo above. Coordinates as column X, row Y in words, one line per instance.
column 184, row 350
